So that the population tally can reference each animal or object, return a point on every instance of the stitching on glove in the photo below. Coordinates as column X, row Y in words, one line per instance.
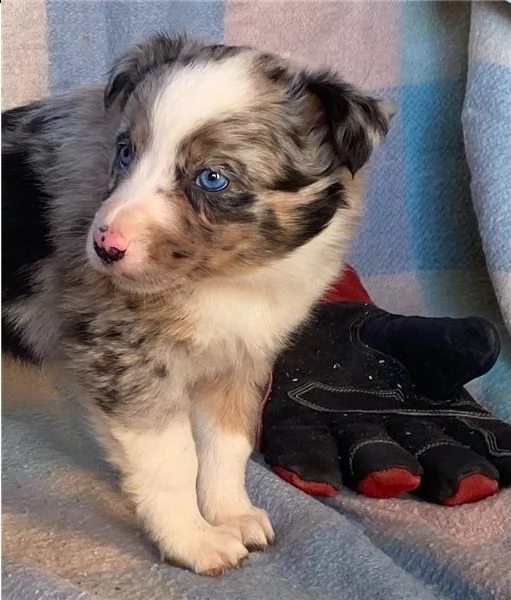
column 436, row 445
column 314, row 385
column 360, row 445
column 490, row 439
column 458, row 402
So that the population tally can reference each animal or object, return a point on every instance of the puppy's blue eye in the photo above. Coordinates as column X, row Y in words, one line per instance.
column 124, row 154
column 211, row 181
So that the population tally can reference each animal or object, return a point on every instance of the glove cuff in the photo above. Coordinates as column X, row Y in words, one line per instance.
column 347, row 288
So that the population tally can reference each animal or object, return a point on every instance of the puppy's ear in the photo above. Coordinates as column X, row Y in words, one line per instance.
column 138, row 61
column 356, row 123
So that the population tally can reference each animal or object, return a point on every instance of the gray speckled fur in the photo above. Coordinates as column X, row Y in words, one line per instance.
column 112, row 339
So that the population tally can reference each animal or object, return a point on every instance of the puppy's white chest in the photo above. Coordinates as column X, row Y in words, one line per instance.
column 230, row 320
column 250, row 319
column 256, row 315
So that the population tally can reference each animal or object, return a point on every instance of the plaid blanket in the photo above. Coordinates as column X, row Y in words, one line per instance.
column 69, row 535
column 422, row 249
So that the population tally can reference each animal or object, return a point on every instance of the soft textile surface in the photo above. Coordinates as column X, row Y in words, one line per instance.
column 66, row 527
column 67, row 532
column 487, row 129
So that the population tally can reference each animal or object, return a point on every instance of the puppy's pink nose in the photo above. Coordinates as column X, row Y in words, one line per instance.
column 109, row 238
column 110, row 245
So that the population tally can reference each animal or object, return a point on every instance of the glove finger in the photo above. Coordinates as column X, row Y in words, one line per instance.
column 488, row 437
column 373, row 463
column 453, row 474
column 303, row 453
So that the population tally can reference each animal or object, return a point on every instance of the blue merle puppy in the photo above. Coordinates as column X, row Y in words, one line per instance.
column 163, row 237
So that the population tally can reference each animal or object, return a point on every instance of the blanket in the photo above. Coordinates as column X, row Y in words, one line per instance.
column 67, row 533
column 487, row 129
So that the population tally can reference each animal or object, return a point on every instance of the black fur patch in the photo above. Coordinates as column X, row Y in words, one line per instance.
column 316, row 215
column 292, row 180
column 311, row 219
column 25, row 230
column 138, row 343
column 44, row 121
column 161, row 371
column 277, row 73
column 108, row 401
column 220, row 52
column 133, row 302
column 80, row 331
column 13, row 344
column 115, row 332
column 270, row 229
column 342, row 105
column 223, row 207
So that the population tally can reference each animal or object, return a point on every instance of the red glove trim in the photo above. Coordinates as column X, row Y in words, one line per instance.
column 388, row 483
column 313, row 488
column 471, row 489
column 347, row 288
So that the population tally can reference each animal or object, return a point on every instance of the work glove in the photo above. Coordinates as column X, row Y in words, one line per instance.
column 375, row 401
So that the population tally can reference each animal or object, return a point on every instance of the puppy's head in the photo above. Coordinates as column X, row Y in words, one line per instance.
column 226, row 159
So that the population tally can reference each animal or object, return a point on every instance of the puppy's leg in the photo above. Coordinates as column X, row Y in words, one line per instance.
column 225, row 414
column 159, row 468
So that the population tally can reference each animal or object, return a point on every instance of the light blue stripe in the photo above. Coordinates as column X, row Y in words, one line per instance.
column 383, row 244
column 85, row 37
column 444, row 227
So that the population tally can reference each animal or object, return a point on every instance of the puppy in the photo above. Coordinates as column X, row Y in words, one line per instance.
column 163, row 237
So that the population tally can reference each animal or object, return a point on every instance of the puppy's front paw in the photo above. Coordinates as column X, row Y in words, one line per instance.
column 254, row 527
column 207, row 550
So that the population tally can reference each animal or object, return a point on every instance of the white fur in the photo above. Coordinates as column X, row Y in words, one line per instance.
column 160, row 472
column 198, row 511
column 221, row 491
column 190, row 97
